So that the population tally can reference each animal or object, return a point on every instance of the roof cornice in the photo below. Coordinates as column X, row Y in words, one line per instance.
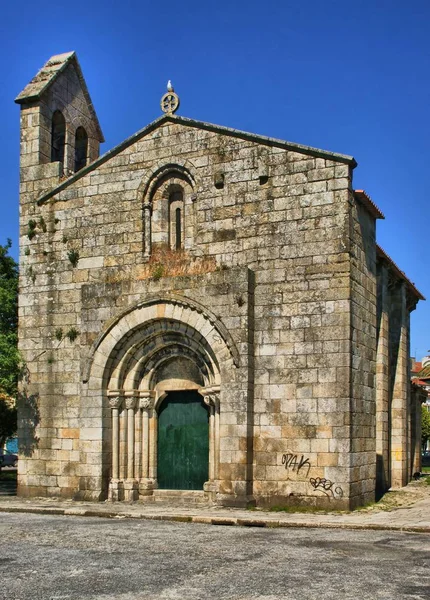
column 382, row 255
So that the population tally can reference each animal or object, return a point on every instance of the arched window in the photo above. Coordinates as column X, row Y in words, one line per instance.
column 176, row 220
column 178, row 227
column 81, row 148
column 58, row 137
column 169, row 210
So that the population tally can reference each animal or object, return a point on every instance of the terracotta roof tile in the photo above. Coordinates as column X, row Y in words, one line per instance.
column 368, row 203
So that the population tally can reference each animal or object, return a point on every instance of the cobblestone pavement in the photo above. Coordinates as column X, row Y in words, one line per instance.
column 45, row 557
column 407, row 509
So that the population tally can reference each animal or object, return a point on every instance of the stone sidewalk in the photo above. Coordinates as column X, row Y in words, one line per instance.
column 407, row 509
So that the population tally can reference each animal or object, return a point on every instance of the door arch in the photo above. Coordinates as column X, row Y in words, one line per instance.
column 158, row 346
column 183, row 441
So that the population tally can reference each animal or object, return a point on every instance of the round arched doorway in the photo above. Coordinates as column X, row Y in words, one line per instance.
column 183, row 441
column 161, row 360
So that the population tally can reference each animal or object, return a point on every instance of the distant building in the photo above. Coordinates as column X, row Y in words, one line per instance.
column 420, row 375
column 205, row 315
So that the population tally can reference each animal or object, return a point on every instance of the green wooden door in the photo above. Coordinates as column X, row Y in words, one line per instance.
column 183, row 442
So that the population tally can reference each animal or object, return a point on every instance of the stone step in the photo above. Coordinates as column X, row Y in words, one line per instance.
column 179, row 497
column 8, row 488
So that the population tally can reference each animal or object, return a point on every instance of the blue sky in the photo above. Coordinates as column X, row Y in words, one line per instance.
column 348, row 77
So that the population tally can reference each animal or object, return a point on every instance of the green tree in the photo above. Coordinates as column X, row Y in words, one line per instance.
column 10, row 362
column 425, row 426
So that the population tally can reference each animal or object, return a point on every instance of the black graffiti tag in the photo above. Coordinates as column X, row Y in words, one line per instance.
column 290, row 462
column 326, row 487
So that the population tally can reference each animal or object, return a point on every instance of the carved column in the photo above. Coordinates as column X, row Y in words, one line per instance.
column 215, row 398
column 137, row 443
column 209, row 403
column 130, row 403
column 115, row 404
column 145, row 405
column 123, row 443
column 211, row 399
column 114, row 484
column 130, row 485
column 153, row 437
column 147, row 230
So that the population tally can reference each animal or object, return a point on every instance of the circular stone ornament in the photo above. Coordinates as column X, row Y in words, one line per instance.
column 169, row 103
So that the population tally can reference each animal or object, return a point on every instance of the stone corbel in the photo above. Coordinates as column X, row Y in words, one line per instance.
column 411, row 301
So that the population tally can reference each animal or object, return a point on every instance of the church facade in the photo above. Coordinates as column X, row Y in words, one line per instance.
column 204, row 314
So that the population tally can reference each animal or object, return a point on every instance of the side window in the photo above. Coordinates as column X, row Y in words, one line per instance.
column 81, row 148
column 58, row 137
column 176, row 220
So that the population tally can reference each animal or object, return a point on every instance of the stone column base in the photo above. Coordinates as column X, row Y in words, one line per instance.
column 210, row 486
column 116, row 490
column 210, row 489
column 131, row 490
column 147, row 486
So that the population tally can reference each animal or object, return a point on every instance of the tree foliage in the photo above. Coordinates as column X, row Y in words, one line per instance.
column 10, row 362
column 425, row 425
column 7, row 418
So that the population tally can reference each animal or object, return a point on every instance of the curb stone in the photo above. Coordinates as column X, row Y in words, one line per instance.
column 208, row 520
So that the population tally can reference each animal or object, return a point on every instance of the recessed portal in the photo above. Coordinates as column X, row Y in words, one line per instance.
column 183, row 442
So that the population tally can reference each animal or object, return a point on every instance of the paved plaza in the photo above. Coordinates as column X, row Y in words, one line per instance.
column 46, row 557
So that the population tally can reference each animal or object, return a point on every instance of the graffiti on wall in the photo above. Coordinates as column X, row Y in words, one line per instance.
column 327, row 487
column 291, row 462
column 300, row 465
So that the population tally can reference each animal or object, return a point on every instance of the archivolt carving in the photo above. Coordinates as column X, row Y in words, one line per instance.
column 177, row 319
column 184, row 169
column 135, row 363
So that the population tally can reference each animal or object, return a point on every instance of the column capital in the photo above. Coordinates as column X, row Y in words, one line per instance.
column 115, row 401
column 211, row 395
column 145, row 403
column 130, row 402
column 208, row 400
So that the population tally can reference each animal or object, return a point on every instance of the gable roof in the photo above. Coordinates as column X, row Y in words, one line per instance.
column 46, row 77
column 244, row 135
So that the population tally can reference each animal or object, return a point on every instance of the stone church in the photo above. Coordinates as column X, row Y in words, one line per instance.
column 205, row 315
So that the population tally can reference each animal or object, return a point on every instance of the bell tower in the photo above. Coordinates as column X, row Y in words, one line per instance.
column 60, row 131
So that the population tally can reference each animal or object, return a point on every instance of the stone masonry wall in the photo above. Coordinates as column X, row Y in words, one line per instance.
column 362, row 456
column 289, row 231
column 101, row 303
